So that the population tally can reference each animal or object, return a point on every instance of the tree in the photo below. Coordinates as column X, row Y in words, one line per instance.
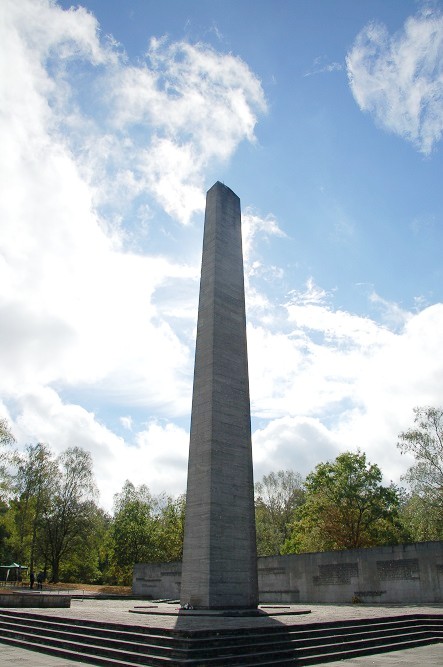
column 69, row 516
column 36, row 471
column 6, row 455
column 170, row 531
column 276, row 498
column 133, row 530
column 5, row 553
column 421, row 520
column 6, row 458
column 346, row 507
column 6, row 437
column 134, row 525
column 87, row 562
column 145, row 528
column 424, row 510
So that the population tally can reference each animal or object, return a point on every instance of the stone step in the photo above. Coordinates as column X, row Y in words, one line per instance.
column 86, row 634
column 68, row 654
column 252, row 660
column 113, row 644
column 48, row 621
column 322, row 657
column 120, row 653
column 303, row 635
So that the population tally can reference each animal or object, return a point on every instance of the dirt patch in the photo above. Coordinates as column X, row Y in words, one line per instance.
column 93, row 588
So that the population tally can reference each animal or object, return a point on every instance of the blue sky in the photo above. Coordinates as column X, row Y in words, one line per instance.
column 326, row 118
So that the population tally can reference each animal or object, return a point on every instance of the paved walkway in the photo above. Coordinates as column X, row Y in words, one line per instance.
column 162, row 615
column 426, row 656
column 165, row 616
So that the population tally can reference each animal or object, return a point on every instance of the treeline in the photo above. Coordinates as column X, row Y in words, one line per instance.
column 344, row 505
column 50, row 519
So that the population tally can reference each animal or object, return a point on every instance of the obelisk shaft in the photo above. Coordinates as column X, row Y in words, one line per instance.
column 219, row 557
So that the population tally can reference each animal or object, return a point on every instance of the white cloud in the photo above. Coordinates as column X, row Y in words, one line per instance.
column 75, row 307
column 154, row 128
column 79, row 312
column 393, row 315
column 158, row 453
column 126, row 422
column 254, row 225
column 355, row 382
column 82, row 316
column 398, row 79
column 199, row 104
column 292, row 443
column 320, row 66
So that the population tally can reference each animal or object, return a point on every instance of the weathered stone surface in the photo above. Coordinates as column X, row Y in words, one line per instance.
column 37, row 600
column 400, row 574
column 219, row 561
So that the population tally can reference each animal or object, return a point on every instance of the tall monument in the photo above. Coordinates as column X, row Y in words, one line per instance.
column 219, row 554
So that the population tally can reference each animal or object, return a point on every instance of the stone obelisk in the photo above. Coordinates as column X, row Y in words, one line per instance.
column 219, row 555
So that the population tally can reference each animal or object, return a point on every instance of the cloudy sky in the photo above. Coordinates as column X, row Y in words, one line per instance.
column 326, row 118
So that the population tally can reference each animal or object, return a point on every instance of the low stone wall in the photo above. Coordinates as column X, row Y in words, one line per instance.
column 406, row 573
column 157, row 581
column 37, row 600
column 401, row 574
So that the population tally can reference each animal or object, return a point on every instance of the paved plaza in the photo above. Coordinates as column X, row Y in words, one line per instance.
column 150, row 614
column 165, row 615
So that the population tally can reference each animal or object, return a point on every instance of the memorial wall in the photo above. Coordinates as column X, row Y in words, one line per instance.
column 401, row 574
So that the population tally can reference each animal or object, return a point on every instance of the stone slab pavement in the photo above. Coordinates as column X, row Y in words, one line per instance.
column 163, row 615
column 10, row 656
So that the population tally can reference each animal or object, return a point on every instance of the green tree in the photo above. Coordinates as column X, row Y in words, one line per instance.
column 421, row 520
column 170, row 529
column 7, row 440
column 69, row 516
column 34, row 480
column 425, row 477
column 87, row 562
column 6, row 458
column 346, row 507
column 133, row 530
column 145, row 528
column 277, row 497
column 6, row 437
column 5, row 532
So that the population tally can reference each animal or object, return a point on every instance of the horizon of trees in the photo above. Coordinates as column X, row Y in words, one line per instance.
column 51, row 521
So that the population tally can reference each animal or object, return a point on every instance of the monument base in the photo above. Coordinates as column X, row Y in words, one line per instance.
column 263, row 612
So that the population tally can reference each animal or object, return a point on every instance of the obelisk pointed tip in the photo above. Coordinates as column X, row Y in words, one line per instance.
column 218, row 185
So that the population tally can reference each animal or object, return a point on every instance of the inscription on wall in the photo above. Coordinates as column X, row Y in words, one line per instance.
column 407, row 568
column 335, row 573
column 271, row 570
